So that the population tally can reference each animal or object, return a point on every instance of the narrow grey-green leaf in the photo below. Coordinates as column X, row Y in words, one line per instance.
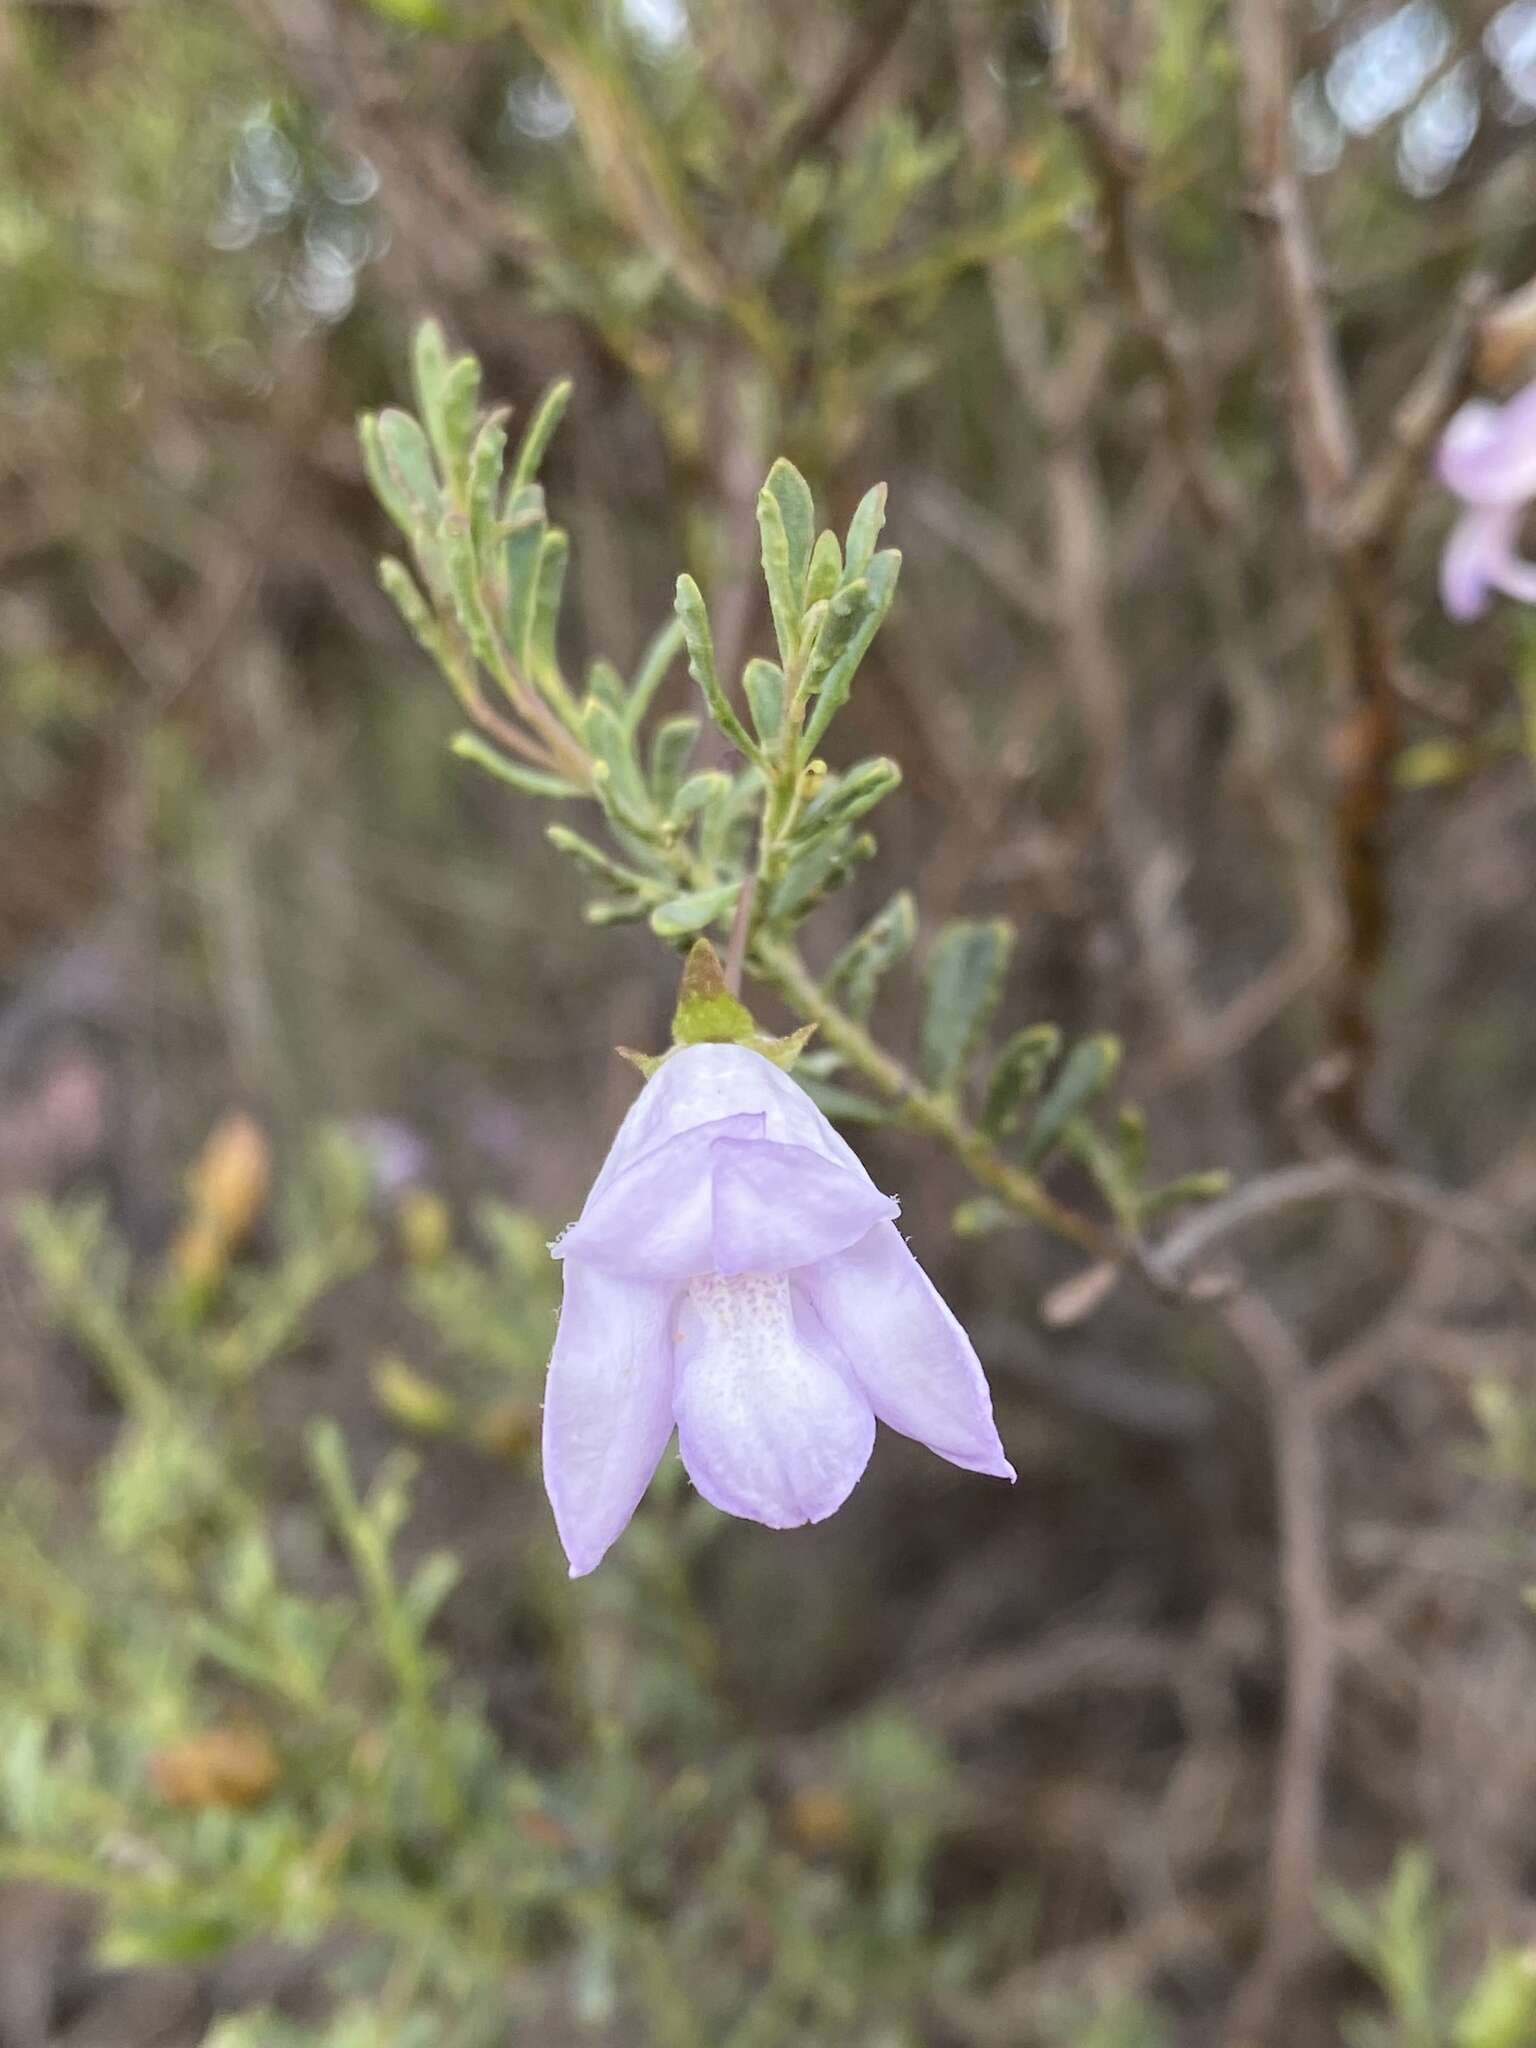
column 525, row 529
column 605, row 911
column 400, row 585
column 463, row 566
column 609, row 740
column 873, row 600
column 728, row 823
column 537, row 434
column 849, row 797
column 964, row 979
column 606, row 684
column 764, row 687
column 691, row 913
column 671, row 748
column 429, row 374
column 652, row 672
column 843, row 1105
column 864, row 531
column 408, row 459
column 823, row 866
column 1019, row 1075
column 792, row 493
column 485, row 478
column 855, row 974
column 1087, row 1072
column 826, row 570
column 593, row 859
column 785, row 590
column 543, row 661
column 460, row 408
column 697, row 793
column 395, row 501
column 469, row 746
column 701, row 664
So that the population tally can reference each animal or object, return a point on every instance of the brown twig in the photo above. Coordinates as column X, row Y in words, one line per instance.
column 1353, row 514
column 1301, row 1494
column 1342, row 1179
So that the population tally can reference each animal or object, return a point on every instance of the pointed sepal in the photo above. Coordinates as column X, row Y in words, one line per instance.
column 707, row 1013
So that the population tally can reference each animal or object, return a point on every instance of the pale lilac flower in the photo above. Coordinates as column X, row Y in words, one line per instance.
column 736, row 1275
column 1487, row 456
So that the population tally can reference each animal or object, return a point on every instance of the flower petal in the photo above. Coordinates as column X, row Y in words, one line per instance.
column 768, row 1428
column 782, row 1206
column 656, row 1219
column 906, row 1350
column 607, row 1407
column 720, row 1198
column 1487, row 454
column 701, row 1084
column 1481, row 556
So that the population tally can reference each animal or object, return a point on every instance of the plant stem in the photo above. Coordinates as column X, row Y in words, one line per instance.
column 779, row 964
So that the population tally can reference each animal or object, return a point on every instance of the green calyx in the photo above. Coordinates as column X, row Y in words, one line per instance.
column 708, row 1013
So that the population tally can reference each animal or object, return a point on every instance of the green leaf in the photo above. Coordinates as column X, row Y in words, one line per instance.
column 548, row 589
column 1500, row 2009
column 595, row 862
column 848, row 797
column 786, row 592
column 448, row 396
column 460, row 410
column 400, row 585
column 538, row 433
column 671, row 749
column 146, row 1938
column 609, row 740
column 388, row 492
column 818, row 870
column 765, row 689
column 729, row 821
column 855, row 974
column 1019, row 1074
column 825, row 572
column 525, row 530
column 680, row 915
column 1189, row 1187
column 463, row 566
column 853, row 618
column 698, row 793
column 792, row 494
column 606, row 911
column 1088, row 1071
column 701, row 664
column 606, row 685
column 981, row 1215
column 408, row 461
column 964, row 978
column 844, row 1105
column 652, row 672
column 469, row 746
column 429, row 370
column 485, row 477
column 864, row 531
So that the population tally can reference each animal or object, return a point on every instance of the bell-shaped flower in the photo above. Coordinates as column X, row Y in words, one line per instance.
column 1487, row 456
column 736, row 1275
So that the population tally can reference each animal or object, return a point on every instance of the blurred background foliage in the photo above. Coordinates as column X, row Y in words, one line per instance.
column 305, row 1049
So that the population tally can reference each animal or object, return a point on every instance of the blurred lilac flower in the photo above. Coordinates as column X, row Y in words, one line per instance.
column 1487, row 456
column 736, row 1274
column 397, row 1156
